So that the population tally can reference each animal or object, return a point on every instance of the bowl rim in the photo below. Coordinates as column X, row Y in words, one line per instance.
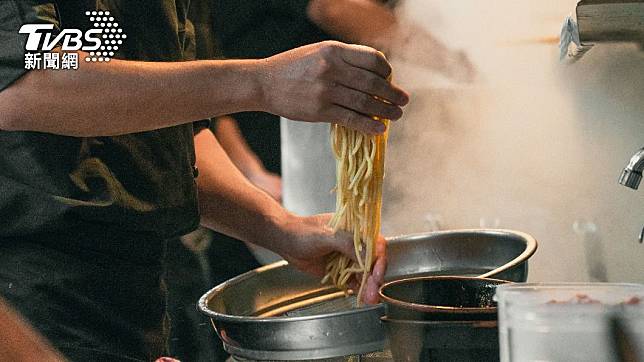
column 202, row 304
column 427, row 308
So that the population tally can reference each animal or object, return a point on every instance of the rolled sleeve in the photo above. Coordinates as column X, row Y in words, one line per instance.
column 13, row 15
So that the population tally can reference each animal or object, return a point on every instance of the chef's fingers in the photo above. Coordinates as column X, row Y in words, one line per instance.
column 354, row 120
column 374, row 281
column 379, row 270
column 381, row 246
column 370, row 295
column 371, row 84
column 329, row 241
column 367, row 58
column 344, row 244
column 364, row 103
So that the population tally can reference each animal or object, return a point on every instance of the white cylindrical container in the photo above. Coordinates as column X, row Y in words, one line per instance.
column 308, row 168
column 566, row 322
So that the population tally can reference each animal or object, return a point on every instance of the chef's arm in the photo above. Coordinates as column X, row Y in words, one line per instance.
column 230, row 204
column 371, row 23
column 232, row 141
column 360, row 21
column 119, row 97
column 324, row 82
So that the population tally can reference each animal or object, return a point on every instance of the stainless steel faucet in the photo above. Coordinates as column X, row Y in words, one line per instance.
column 632, row 176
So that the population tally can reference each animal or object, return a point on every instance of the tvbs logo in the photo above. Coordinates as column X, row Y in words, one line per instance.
column 100, row 43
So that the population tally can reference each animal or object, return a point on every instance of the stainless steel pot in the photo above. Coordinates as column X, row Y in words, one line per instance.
column 278, row 313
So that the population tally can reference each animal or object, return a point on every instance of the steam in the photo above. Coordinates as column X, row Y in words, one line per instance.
column 534, row 145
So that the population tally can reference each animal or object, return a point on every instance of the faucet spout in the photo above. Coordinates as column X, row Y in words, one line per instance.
column 632, row 174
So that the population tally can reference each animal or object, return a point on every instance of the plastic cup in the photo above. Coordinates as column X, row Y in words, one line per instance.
column 566, row 322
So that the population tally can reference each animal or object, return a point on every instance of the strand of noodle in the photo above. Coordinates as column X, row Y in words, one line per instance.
column 369, row 173
column 336, row 141
column 357, row 144
column 351, row 158
column 357, row 245
column 337, row 216
column 345, row 278
column 358, row 174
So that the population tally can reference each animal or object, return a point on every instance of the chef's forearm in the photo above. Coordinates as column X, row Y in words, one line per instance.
column 321, row 82
column 232, row 141
column 359, row 21
column 119, row 97
column 230, row 204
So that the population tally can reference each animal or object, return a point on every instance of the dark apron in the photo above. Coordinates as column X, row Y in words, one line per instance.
column 90, row 306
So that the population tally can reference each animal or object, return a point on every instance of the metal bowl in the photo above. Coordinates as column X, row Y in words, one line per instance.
column 441, row 298
column 278, row 313
column 444, row 318
column 499, row 254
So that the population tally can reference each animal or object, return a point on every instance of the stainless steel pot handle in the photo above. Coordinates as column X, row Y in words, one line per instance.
column 530, row 249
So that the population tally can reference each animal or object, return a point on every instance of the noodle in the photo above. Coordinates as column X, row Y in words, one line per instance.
column 360, row 161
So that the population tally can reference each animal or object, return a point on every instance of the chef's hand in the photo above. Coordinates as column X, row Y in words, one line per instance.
column 311, row 242
column 332, row 82
column 377, row 277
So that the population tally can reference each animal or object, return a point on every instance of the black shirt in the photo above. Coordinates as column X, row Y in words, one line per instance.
column 81, row 218
column 128, row 188
column 258, row 29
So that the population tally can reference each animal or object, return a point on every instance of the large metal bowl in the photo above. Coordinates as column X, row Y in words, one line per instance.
column 499, row 254
column 278, row 313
